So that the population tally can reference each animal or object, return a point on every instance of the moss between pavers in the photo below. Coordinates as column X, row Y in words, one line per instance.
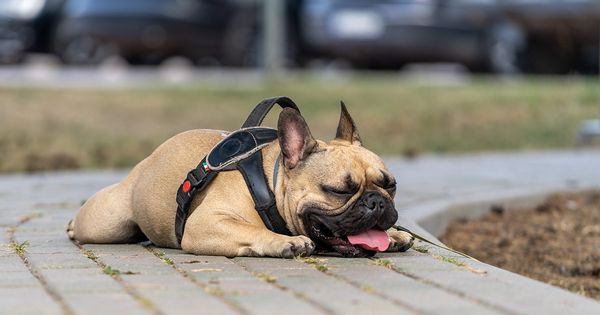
column 19, row 248
column 382, row 262
column 318, row 263
column 163, row 257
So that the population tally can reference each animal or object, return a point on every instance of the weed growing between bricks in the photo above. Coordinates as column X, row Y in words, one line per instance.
column 116, row 274
column 266, row 277
column 424, row 249
column 20, row 248
column 163, row 257
column 320, row 264
column 317, row 263
column 382, row 262
column 208, row 288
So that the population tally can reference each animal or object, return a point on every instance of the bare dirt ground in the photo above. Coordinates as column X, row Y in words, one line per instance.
column 557, row 242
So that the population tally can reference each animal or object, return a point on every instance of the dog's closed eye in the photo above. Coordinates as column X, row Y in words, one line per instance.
column 350, row 188
column 337, row 192
column 387, row 182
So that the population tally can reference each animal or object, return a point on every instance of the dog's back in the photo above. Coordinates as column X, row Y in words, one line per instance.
column 144, row 202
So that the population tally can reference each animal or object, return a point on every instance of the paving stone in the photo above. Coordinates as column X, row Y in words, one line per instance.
column 80, row 280
column 405, row 290
column 251, row 294
column 17, row 279
column 5, row 250
column 331, row 293
column 27, row 300
column 94, row 303
column 156, row 281
column 351, row 286
column 496, row 287
column 60, row 261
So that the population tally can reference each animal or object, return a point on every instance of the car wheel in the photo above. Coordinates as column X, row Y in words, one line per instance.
column 86, row 50
column 11, row 52
column 504, row 48
column 548, row 58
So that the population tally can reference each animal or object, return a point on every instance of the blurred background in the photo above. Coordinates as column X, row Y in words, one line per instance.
column 492, row 36
column 100, row 83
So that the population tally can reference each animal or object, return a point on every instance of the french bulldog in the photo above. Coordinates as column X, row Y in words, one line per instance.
column 335, row 196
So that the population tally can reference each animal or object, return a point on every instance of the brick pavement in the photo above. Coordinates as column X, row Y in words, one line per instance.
column 42, row 272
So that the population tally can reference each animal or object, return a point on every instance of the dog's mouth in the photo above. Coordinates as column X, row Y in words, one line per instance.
column 362, row 244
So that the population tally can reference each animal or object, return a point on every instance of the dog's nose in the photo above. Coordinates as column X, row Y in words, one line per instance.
column 374, row 201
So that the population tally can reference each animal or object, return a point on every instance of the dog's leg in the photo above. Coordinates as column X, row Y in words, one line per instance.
column 106, row 218
column 249, row 240
column 400, row 241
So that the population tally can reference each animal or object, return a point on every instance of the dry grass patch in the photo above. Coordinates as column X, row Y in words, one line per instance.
column 64, row 129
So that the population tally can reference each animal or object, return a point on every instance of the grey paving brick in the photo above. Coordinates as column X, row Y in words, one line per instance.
column 27, row 300
column 425, row 284
column 80, row 280
column 18, row 279
column 154, row 280
column 11, row 263
column 60, row 261
column 94, row 303
column 331, row 293
column 236, row 284
column 497, row 287
column 405, row 290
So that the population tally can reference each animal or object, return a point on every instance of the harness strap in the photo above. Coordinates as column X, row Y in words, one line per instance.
column 264, row 200
column 251, row 169
column 261, row 110
column 196, row 180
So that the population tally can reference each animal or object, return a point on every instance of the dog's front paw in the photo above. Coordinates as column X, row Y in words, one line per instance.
column 400, row 241
column 292, row 246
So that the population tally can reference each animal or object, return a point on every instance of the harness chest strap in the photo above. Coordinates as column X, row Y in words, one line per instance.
column 242, row 152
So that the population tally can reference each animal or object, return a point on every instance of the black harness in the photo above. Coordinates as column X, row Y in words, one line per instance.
column 241, row 150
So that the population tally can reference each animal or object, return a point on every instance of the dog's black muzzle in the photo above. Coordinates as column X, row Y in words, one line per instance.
column 372, row 210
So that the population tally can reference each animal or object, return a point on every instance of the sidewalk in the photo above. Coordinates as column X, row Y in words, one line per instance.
column 51, row 275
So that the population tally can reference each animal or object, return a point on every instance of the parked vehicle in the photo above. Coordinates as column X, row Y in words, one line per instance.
column 25, row 26
column 562, row 35
column 391, row 33
column 148, row 31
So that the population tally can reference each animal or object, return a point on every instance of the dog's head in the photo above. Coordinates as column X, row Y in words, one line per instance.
column 336, row 193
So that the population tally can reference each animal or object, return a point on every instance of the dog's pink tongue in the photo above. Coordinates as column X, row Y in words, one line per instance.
column 372, row 239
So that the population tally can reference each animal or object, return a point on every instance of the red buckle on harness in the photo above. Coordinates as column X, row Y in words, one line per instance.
column 186, row 186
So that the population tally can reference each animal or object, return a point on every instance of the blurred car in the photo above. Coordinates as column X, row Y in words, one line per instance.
column 26, row 25
column 562, row 35
column 391, row 33
column 149, row 31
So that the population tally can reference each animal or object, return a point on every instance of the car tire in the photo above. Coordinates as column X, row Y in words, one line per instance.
column 548, row 58
column 86, row 50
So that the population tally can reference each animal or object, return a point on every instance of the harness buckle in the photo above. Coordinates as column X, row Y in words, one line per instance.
column 196, row 176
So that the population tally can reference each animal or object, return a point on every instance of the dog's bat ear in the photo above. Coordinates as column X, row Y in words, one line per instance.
column 346, row 129
column 295, row 138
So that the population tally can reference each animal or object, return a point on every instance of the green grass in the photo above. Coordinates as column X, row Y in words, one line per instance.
column 52, row 129
column 318, row 263
column 111, row 271
column 421, row 249
column 19, row 248
column 266, row 277
column 163, row 257
column 450, row 260
column 382, row 262
column 90, row 254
